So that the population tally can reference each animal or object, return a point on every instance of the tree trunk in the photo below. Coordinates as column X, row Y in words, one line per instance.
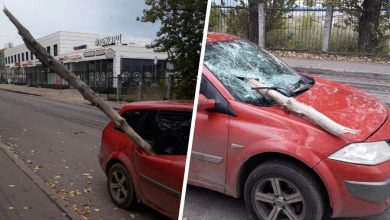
column 73, row 80
column 368, row 25
column 293, row 105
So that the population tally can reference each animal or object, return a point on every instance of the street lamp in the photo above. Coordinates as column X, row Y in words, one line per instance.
column 155, row 69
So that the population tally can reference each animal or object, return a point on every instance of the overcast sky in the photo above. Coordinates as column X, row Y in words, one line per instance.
column 43, row 17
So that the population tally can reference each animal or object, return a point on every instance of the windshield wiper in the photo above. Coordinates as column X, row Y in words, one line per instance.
column 279, row 89
column 303, row 84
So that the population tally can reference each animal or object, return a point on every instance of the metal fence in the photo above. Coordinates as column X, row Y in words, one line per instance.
column 299, row 27
column 137, row 88
column 125, row 87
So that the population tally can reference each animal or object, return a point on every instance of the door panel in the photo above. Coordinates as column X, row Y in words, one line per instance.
column 209, row 149
column 161, row 180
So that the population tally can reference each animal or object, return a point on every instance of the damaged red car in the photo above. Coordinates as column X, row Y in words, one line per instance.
column 135, row 176
column 283, row 165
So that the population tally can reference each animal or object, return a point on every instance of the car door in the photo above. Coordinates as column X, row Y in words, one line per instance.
column 160, row 176
column 209, row 150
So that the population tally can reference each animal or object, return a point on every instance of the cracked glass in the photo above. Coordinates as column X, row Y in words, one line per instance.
column 230, row 61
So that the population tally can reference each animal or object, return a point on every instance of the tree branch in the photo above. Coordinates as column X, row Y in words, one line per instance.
column 309, row 112
column 73, row 80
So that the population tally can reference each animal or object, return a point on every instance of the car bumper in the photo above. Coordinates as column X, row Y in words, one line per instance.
column 376, row 192
column 356, row 190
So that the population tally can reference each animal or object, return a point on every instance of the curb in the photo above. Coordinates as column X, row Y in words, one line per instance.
column 25, row 93
column 61, row 204
column 366, row 75
column 61, row 101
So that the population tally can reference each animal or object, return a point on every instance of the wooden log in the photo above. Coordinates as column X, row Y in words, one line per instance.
column 309, row 112
column 41, row 53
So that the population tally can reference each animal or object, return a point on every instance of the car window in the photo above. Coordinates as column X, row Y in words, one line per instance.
column 230, row 61
column 173, row 130
column 167, row 131
column 135, row 119
column 210, row 92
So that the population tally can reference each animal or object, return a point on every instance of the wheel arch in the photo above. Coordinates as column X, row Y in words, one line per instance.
column 119, row 157
column 261, row 158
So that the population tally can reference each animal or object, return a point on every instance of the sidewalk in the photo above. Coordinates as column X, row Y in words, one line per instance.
column 20, row 196
column 64, row 95
column 371, row 77
column 338, row 66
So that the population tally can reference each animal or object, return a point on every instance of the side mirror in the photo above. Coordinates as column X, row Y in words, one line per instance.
column 205, row 103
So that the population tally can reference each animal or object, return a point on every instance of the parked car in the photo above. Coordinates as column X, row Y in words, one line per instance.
column 283, row 165
column 154, row 179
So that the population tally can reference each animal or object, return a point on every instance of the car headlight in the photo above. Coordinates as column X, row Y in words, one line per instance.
column 368, row 153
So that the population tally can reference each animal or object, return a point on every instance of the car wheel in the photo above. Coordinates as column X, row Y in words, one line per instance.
column 120, row 186
column 281, row 190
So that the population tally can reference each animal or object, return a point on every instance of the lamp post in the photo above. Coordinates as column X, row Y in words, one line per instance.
column 155, row 70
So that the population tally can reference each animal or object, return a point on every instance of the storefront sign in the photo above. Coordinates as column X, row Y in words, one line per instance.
column 89, row 53
column 76, row 57
column 112, row 40
column 63, row 58
column 30, row 63
column 81, row 47
column 100, row 52
column 110, row 53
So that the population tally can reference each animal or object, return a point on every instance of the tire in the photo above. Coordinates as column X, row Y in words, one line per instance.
column 120, row 187
column 282, row 190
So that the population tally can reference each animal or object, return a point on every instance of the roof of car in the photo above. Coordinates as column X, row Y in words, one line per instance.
column 214, row 37
column 166, row 104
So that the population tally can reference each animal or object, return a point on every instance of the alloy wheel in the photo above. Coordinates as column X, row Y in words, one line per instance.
column 118, row 186
column 277, row 198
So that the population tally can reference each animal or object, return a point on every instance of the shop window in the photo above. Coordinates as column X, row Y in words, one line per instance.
column 55, row 50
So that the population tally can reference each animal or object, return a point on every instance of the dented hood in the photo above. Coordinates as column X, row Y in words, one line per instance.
column 347, row 106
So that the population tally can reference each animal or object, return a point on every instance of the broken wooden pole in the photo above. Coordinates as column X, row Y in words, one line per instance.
column 41, row 53
column 309, row 112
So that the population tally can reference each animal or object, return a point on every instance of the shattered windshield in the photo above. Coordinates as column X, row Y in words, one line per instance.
column 232, row 60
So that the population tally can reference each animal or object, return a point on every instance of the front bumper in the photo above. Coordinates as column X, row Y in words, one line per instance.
column 376, row 192
column 355, row 190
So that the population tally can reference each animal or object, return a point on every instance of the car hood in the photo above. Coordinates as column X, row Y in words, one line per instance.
column 347, row 106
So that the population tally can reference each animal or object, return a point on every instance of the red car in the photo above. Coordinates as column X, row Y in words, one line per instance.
column 283, row 165
column 154, row 179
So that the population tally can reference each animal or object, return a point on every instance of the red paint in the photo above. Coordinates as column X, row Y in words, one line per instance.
column 165, row 169
column 262, row 130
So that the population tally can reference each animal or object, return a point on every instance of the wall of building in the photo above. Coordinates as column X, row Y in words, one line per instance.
column 91, row 62
column 66, row 41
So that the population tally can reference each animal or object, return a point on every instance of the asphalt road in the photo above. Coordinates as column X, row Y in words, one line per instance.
column 60, row 143
column 205, row 204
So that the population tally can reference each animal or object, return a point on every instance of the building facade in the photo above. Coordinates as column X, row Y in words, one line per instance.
column 2, row 63
column 96, row 59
